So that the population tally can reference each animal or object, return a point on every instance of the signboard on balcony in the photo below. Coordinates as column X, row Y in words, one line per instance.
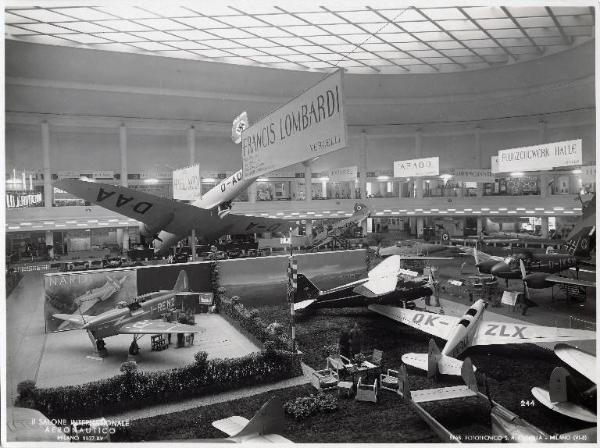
column 588, row 174
column 472, row 175
column 347, row 174
column 186, row 183
column 429, row 166
column 540, row 157
column 310, row 125
column 494, row 164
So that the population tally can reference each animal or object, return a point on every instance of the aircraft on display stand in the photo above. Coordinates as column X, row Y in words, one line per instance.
column 139, row 317
column 419, row 249
column 467, row 331
column 562, row 395
column 385, row 283
column 168, row 221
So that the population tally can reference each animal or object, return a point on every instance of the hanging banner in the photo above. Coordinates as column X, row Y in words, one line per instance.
column 186, row 183
column 239, row 124
column 540, row 157
column 471, row 175
column 494, row 164
column 347, row 174
column 429, row 166
column 310, row 125
column 588, row 174
column 68, row 174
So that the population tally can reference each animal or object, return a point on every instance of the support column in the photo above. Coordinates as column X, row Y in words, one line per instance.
column 252, row 192
column 123, row 151
column 362, row 165
column 420, row 225
column 324, row 189
column 309, row 227
column 478, row 151
column 544, row 226
column 352, row 189
column 49, row 238
column 544, row 177
column 191, row 143
column 418, row 154
column 48, row 192
column 418, row 187
column 125, row 239
column 120, row 237
column 308, row 180
column 479, row 225
column 412, row 224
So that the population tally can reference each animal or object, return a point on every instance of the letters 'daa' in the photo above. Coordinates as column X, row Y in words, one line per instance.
column 139, row 207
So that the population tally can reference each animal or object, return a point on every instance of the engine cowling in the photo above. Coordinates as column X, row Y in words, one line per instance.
column 537, row 280
column 147, row 230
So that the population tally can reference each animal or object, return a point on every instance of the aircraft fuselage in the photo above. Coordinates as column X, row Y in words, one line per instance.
column 153, row 306
column 548, row 263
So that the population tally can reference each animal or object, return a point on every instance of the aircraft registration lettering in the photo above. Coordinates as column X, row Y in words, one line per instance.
column 140, row 207
column 492, row 331
column 141, row 324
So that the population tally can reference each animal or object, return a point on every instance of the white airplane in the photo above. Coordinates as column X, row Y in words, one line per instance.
column 262, row 428
column 168, row 221
column 467, row 331
column 561, row 396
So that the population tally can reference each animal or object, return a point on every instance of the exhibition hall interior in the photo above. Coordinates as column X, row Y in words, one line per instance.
column 308, row 222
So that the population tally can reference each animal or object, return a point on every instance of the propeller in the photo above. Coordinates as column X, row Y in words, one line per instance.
column 476, row 255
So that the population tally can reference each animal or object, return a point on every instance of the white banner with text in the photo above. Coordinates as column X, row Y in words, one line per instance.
column 540, row 157
column 347, row 174
column 310, row 125
column 186, row 183
column 472, row 175
column 429, row 166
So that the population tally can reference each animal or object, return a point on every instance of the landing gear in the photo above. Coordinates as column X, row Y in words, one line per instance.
column 100, row 345
column 134, row 348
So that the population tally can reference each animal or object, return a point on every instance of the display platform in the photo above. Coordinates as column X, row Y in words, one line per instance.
column 68, row 357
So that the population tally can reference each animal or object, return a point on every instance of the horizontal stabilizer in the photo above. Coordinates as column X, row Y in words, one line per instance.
column 446, row 365
column 442, row 393
column 565, row 408
column 77, row 319
column 231, row 425
column 301, row 306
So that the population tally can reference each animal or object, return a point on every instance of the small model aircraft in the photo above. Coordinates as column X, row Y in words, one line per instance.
column 361, row 212
column 168, row 221
column 263, row 427
column 421, row 250
column 562, row 396
column 385, row 283
column 139, row 317
column 469, row 330
column 87, row 300
column 506, row 426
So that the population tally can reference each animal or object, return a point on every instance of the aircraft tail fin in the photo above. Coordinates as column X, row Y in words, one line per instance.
column 559, row 385
column 182, row 284
column 306, row 294
column 268, row 420
column 360, row 208
column 433, row 357
column 467, row 372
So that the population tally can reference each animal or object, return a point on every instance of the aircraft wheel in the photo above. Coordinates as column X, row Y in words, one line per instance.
column 134, row 348
column 100, row 344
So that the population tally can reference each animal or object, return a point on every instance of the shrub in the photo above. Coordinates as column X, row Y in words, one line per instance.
column 200, row 359
column 123, row 392
column 330, row 350
column 254, row 314
column 275, row 328
column 303, row 407
column 129, row 367
column 26, row 398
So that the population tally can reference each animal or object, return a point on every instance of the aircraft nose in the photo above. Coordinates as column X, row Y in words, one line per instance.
column 499, row 268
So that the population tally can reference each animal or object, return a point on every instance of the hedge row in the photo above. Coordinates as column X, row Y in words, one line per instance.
column 249, row 321
column 134, row 389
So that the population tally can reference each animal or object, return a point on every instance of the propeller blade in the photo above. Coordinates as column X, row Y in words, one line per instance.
column 523, row 271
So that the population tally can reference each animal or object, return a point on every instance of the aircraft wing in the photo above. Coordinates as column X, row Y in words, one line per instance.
column 570, row 281
column 491, row 333
column 442, row 393
column 167, row 214
column 377, row 286
column 158, row 327
column 581, row 361
column 435, row 324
